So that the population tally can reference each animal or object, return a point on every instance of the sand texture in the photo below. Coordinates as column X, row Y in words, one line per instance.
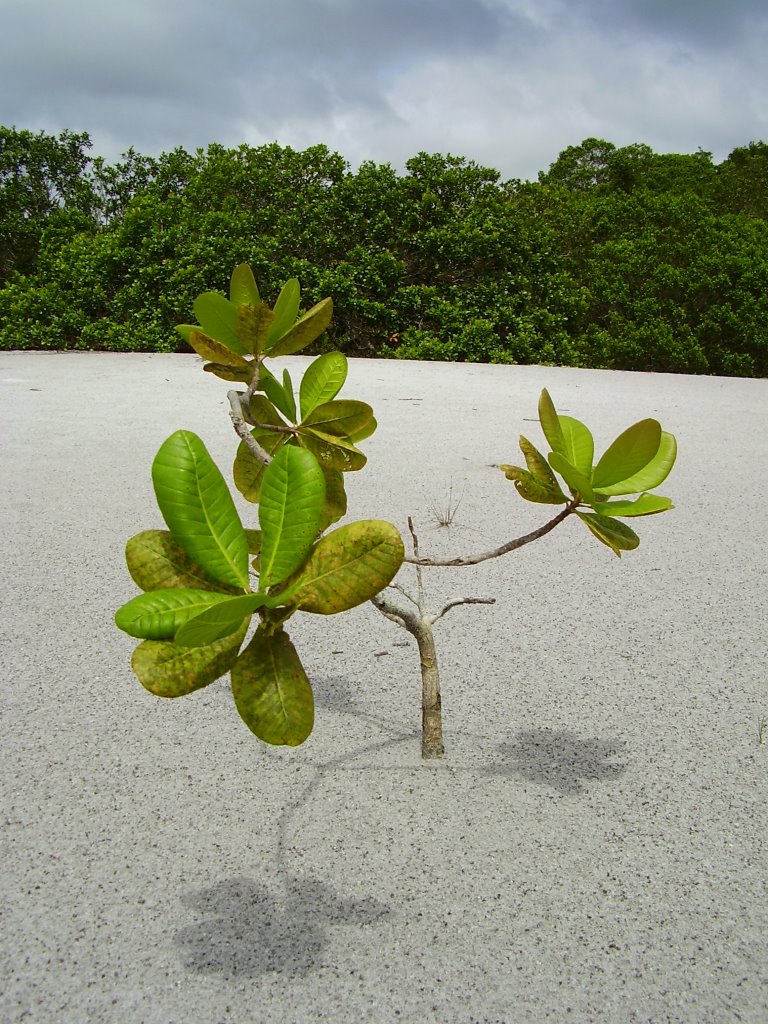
column 593, row 846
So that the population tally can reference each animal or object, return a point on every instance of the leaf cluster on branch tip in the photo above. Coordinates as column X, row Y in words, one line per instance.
column 639, row 459
column 206, row 577
column 198, row 600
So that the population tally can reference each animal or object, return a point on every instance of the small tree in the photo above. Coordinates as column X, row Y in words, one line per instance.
column 206, row 577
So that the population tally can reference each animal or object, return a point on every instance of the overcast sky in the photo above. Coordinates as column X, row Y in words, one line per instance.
column 507, row 83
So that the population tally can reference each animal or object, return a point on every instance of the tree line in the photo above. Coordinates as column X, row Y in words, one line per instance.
column 616, row 257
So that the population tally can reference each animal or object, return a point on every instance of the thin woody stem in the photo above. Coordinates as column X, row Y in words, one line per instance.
column 511, row 545
column 253, row 386
column 244, row 431
column 419, row 581
column 404, row 592
column 455, row 602
column 275, row 429
column 402, row 617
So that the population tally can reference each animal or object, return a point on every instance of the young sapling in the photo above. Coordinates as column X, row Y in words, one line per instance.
column 207, row 578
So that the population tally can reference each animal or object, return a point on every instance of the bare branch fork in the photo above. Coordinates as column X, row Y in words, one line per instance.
column 419, row 622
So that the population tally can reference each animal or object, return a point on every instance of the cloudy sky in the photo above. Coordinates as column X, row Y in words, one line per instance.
column 508, row 83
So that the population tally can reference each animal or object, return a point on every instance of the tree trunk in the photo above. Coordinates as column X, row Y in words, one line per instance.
column 431, row 711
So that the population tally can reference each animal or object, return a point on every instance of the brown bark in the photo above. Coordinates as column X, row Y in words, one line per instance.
column 243, row 430
column 511, row 545
column 431, row 704
column 420, row 627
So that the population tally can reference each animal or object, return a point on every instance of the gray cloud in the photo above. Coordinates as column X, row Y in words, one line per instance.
column 713, row 24
column 506, row 82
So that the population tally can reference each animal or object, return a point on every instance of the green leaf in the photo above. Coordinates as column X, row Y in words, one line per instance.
column 216, row 353
column 198, row 508
column 306, row 330
column 579, row 444
column 247, row 471
column 158, row 614
column 532, row 488
column 156, row 561
column 617, row 536
column 253, row 323
column 630, row 452
column 331, row 452
column 656, row 472
column 170, row 671
column 341, row 418
column 577, row 482
column 274, row 391
column 567, row 437
column 346, row 568
column 550, row 423
column 645, row 505
column 243, row 375
column 186, row 329
column 261, row 410
column 272, row 692
column 360, row 435
column 218, row 319
column 289, row 396
column 218, row 621
column 285, row 312
column 335, row 497
column 290, row 512
column 322, row 381
column 242, row 286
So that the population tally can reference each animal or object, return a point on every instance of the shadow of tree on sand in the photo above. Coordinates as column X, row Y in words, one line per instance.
column 246, row 930
column 560, row 759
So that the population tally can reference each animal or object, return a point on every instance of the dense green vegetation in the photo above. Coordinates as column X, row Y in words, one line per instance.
column 615, row 257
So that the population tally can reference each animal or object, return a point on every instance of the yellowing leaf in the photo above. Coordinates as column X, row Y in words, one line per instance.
column 170, row 671
column 331, row 452
column 217, row 353
column 271, row 690
column 532, row 488
column 156, row 561
column 347, row 567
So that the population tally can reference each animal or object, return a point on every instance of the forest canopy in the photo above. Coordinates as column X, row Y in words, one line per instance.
column 616, row 257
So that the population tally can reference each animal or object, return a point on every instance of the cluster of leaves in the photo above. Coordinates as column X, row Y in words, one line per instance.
column 638, row 460
column 615, row 257
column 198, row 597
column 234, row 335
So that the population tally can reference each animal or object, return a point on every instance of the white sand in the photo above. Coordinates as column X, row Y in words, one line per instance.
column 592, row 849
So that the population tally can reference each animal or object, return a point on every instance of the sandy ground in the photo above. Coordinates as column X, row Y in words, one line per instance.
column 592, row 849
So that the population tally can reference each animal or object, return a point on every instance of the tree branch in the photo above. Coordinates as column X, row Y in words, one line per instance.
column 243, row 430
column 511, row 545
column 422, row 601
column 402, row 617
column 454, row 602
column 274, row 428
